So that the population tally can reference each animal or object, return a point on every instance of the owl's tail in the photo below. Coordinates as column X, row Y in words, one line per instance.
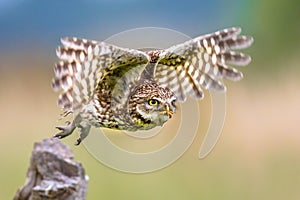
column 77, row 73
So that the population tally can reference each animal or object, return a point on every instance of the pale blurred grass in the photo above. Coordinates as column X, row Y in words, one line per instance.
column 257, row 156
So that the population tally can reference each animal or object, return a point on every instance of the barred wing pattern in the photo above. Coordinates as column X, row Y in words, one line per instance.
column 202, row 61
column 185, row 68
column 83, row 64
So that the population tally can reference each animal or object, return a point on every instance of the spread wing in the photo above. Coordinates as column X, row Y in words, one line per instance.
column 83, row 65
column 202, row 62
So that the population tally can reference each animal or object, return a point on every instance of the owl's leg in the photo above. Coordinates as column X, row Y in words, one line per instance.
column 65, row 130
column 69, row 128
column 83, row 127
column 84, row 130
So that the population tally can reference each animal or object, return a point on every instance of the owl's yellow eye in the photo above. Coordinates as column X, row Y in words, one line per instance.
column 153, row 102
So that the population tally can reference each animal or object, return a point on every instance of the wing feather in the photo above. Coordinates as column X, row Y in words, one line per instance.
column 83, row 65
column 203, row 62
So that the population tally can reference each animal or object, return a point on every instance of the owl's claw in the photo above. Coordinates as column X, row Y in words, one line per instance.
column 65, row 130
column 78, row 141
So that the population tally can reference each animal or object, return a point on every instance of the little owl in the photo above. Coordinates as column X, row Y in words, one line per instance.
column 108, row 86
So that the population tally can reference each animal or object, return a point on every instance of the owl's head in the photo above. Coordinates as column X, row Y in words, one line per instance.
column 151, row 105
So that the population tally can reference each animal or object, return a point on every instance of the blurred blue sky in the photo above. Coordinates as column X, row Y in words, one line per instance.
column 40, row 22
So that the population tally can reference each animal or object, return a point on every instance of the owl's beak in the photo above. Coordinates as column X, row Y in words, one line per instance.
column 169, row 112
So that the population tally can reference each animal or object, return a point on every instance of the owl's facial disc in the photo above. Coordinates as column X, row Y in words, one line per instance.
column 157, row 110
column 153, row 105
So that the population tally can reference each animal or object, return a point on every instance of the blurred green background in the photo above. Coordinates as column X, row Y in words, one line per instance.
column 258, row 154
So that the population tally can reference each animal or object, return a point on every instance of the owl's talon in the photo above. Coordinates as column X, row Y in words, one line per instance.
column 58, row 136
column 65, row 130
column 60, row 128
column 78, row 141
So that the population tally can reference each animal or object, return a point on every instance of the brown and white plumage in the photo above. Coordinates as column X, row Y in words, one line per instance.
column 109, row 86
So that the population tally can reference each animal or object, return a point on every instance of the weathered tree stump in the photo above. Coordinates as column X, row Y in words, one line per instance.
column 53, row 174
